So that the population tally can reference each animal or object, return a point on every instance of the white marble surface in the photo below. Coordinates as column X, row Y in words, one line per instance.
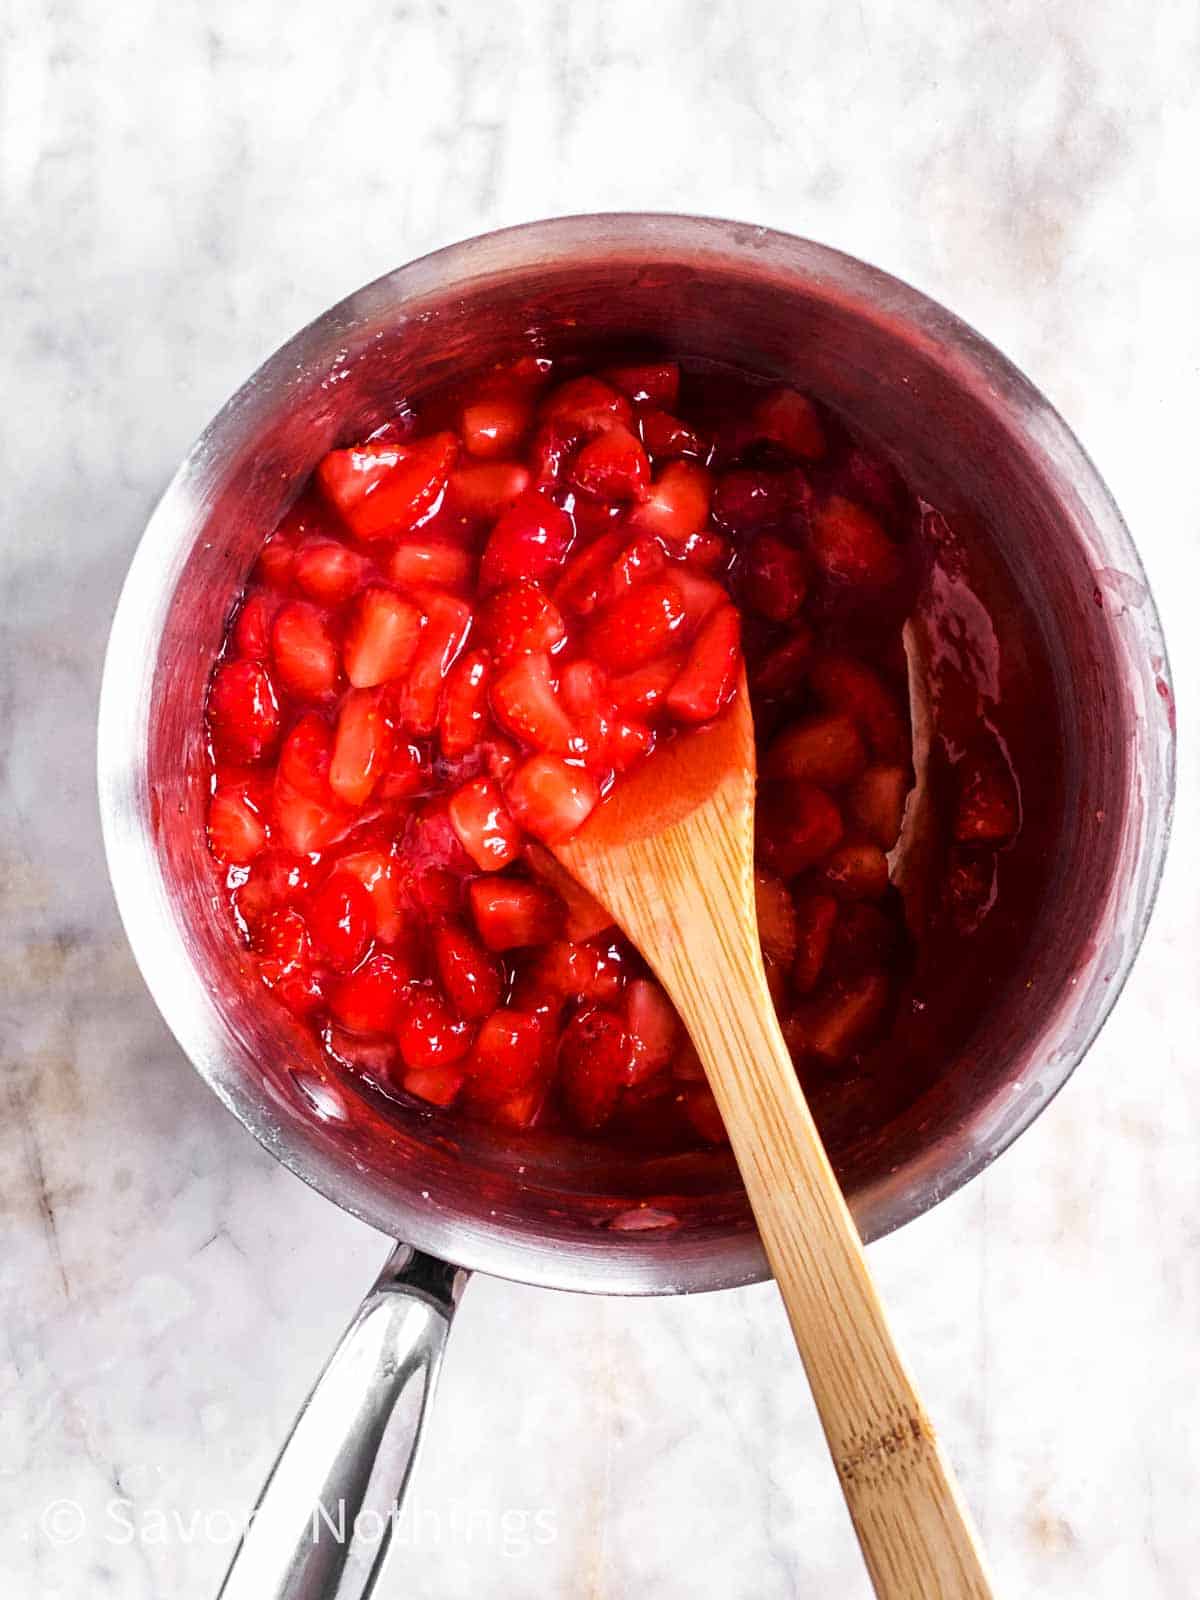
column 182, row 187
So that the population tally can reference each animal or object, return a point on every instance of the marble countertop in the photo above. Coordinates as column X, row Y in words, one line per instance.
column 183, row 187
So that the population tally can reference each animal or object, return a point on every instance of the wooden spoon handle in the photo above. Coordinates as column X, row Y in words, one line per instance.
column 914, row 1528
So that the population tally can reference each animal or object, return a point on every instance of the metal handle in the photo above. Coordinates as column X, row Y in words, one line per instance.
column 323, row 1522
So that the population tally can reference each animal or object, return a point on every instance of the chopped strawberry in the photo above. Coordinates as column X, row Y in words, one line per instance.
column 506, row 1058
column 529, row 541
column 308, row 815
column 385, row 487
column 773, row 579
column 382, row 638
column 439, row 1085
column 816, row 915
column 650, row 384
column 485, row 490
column 427, row 1033
column 285, row 962
column 645, row 558
column 341, row 919
column 472, row 979
column 524, row 701
column 510, row 912
column 876, row 803
column 276, row 879
column 865, row 939
column 856, row 872
column 588, row 574
column 252, row 630
column 798, row 825
column 447, row 623
column 550, row 799
column 585, row 406
column 850, row 547
column 628, row 742
column 326, row 570
column 702, row 1112
column 465, row 704
column 493, row 424
column 824, row 748
column 433, row 842
column 595, row 1058
column 701, row 594
column 521, row 620
column 429, row 563
column 776, row 917
column 304, row 652
column 746, row 500
column 549, row 451
column 790, row 420
column 362, row 746
column 677, row 504
column 237, row 822
column 377, row 871
column 304, row 760
column 483, row 823
column 843, row 683
column 653, row 1025
column 781, row 671
column 643, row 692
column 988, row 804
column 407, row 772
column 707, row 550
column 838, row 1022
column 666, row 438
column 613, row 466
column 710, row 676
column 638, row 625
column 874, row 481
column 243, row 713
column 370, row 998
column 275, row 560
column 585, row 916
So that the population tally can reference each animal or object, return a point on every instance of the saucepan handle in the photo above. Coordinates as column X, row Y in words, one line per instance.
column 322, row 1525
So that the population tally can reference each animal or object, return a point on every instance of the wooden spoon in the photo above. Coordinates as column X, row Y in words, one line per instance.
column 671, row 856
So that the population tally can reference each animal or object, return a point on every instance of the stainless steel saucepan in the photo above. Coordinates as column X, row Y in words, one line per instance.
column 977, row 440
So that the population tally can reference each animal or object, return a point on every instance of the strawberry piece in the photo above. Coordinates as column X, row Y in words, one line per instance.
column 304, row 760
column 510, row 912
column 472, row 979
column 383, row 487
column 638, row 625
column 595, row 1058
column 483, row 824
column 710, row 676
column 237, row 822
column 326, row 570
column 613, row 466
column 382, row 638
column 781, row 671
column 407, row 772
column 746, row 500
column 776, row 917
column 856, row 872
column 837, row 1023
column 439, row 1085
column 788, row 419
column 529, row 541
column 493, row 425
column 362, row 746
column 648, row 384
column 506, row 1058
column 677, row 504
column 843, row 683
column 243, row 713
column 629, row 741
column 275, row 560
column 447, row 623
column 433, row 842
column 700, row 1108
column 645, row 558
column 252, row 630
column 428, row 1034
column 588, row 574
column 707, row 550
column 379, row 875
column 816, row 915
column 702, row 595
column 305, row 655
column 875, row 482
column 285, row 962
column 653, row 1025
column 465, row 704
column 824, row 748
column 850, row 547
column 370, row 999
column 988, row 804
column 773, row 580
column 864, row 939
column 585, row 916
column 585, row 406
column 485, row 490
column 666, row 438
column 525, row 703
column 276, row 879
column 308, row 815
column 551, row 799
column 971, row 886
column 876, row 803
column 521, row 620
column 430, row 563
column 548, row 453
column 341, row 919
column 797, row 826
column 642, row 693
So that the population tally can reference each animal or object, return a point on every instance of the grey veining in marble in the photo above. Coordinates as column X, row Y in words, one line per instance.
column 182, row 186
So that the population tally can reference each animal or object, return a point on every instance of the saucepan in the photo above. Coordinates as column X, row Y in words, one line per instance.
column 977, row 441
